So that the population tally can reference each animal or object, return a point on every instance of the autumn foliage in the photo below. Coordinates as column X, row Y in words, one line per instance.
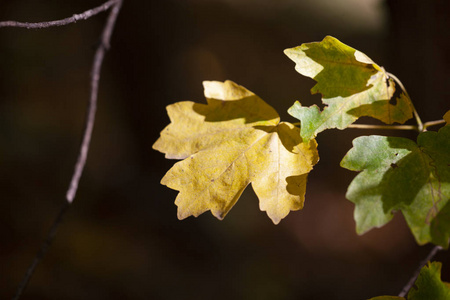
column 237, row 139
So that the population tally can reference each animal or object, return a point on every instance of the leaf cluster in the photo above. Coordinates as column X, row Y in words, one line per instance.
column 237, row 139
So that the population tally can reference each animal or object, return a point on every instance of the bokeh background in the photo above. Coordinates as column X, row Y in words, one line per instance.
column 121, row 238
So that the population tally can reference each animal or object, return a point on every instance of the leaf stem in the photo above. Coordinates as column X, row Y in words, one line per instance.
column 410, row 283
column 389, row 127
column 433, row 123
column 392, row 127
column 420, row 126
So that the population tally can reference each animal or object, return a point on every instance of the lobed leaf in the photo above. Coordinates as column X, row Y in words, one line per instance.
column 351, row 84
column 429, row 284
column 398, row 174
column 234, row 140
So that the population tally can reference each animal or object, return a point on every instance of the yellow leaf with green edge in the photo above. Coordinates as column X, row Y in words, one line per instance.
column 234, row 140
column 398, row 174
column 351, row 84
column 447, row 117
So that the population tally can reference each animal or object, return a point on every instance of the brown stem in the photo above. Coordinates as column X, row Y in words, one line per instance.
column 89, row 123
column 410, row 283
column 73, row 19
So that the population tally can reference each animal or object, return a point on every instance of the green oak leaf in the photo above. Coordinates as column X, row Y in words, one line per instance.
column 429, row 284
column 351, row 84
column 398, row 174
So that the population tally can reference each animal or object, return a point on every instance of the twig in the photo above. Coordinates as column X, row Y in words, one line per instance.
column 90, row 118
column 398, row 127
column 390, row 127
column 42, row 250
column 416, row 114
column 410, row 283
column 89, row 123
column 433, row 123
column 73, row 19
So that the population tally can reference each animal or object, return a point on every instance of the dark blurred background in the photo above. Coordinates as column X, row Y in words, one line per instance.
column 121, row 238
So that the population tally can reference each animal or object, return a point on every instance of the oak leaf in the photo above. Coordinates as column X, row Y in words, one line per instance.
column 234, row 140
column 398, row 174
column 351, row 84
column 428, row 285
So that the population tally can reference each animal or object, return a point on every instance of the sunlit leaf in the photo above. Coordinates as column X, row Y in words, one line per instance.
column 234, row 140
column 398, row 174
column 351, row 84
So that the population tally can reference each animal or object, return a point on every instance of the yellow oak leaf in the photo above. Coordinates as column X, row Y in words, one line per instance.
column 234, row 140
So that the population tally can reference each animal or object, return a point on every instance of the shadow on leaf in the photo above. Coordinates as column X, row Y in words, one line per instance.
column 398, row 187
column 440, row 225
column 288, row 135
column 251, row 109
column 296, row 185
column 385, row 111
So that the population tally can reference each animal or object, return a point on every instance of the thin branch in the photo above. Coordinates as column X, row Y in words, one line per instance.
column 433, row 123
column 416, row 115
column 73, row 19
column 42, row 250
column 87, row 134
column 90, row 118
column 390, row 127
column 410, row 283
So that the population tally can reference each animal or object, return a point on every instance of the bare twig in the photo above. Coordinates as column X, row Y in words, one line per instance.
column 42, row 250
column 410, row 283
column 89, row 123
column 73, row 19
column 90, row 118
